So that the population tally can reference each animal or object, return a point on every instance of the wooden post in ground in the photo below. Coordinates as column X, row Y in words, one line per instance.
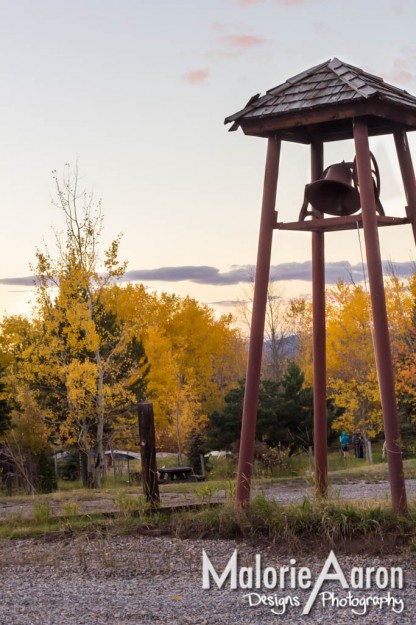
column 148, row 452
column 202, row 459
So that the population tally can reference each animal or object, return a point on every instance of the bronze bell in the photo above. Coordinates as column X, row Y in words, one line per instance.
column 334, row 193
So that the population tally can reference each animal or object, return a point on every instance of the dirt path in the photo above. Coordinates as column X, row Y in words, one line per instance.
column 282, row 492
column 360, row 490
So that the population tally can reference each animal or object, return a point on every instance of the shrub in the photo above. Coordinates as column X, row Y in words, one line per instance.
column 46, row 482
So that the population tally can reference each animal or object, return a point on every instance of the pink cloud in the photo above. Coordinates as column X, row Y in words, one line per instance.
column 232, row 46
column 295, row 3
column 242, row 41
column 403, row 67
column 288, row 3
column 218, row 26
column 402, row 76
column 400, row 6
column 196, row 76
column 321, row 29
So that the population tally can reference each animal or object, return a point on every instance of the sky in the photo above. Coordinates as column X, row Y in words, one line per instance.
column 136, row 92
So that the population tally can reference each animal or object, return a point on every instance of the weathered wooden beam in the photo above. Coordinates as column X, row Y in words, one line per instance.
column 408, row 175
column 148, row 452
column 380, row 114
column 380, row 322
column 320, row 424
column 248, row 426
column 335, row 224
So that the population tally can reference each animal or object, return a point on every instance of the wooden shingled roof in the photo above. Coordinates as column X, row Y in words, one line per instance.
column 324, row 100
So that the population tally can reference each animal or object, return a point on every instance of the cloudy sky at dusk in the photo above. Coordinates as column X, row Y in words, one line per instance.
column 138, row 90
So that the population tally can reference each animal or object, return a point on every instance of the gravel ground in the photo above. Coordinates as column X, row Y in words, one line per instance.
column 158, row 580
column 288, row 493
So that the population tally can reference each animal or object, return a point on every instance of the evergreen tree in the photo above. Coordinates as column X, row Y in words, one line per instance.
column 284, row 413
column 5, row 408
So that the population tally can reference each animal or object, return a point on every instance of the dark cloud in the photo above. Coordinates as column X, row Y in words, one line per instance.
column 196, row 274
column 25, row 281
column 228, row 302
column 201, row 274
column 245, row 273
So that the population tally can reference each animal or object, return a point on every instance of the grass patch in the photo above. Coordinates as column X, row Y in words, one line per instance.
column 303, row 526
column 373, row 472
column 308, row 526
column 41, row 512
column 57, row 528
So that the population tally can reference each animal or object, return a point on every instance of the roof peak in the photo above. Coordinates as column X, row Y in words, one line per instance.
column 333, row 64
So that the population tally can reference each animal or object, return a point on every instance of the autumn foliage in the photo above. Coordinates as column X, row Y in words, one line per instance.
column 351, row 366
column 72, row 374
column 94, row 347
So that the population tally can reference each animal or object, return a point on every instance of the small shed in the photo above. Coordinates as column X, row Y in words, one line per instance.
column 119, row 460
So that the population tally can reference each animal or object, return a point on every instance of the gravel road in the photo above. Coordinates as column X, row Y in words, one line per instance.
column 158, row 580
column 288, row 492
column 282, row 492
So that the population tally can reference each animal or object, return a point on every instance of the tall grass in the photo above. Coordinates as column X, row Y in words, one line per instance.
column 307, row 526
column 304, row 526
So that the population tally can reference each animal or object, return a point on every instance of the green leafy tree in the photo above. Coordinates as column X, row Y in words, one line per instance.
column 196, row 445
column 284, row 414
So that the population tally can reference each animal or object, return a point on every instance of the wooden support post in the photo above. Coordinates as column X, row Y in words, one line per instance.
column 319, row 339
column 202, row 461
column 408, row 176
column 84, row 469
column 148, row 452
column 248, row 426
column 381, row 328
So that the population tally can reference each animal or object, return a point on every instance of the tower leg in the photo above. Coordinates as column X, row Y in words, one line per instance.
column 319, row 340
column 248, row 426
column 408, row 175
column 381, row 329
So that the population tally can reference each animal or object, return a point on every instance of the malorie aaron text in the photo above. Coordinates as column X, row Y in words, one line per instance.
column 294, row 577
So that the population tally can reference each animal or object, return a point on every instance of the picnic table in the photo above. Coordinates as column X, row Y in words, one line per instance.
column 176, row 474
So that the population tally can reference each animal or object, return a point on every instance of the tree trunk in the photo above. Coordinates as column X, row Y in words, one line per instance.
column 178, row 428
column 99, row 463
column 83, row 466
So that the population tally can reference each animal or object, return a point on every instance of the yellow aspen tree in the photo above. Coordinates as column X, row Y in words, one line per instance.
column 351, row 366
column 405, row 350
column 83, row 342
column 194, row 359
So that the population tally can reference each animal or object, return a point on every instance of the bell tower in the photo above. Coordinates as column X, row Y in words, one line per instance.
column 330, row 102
